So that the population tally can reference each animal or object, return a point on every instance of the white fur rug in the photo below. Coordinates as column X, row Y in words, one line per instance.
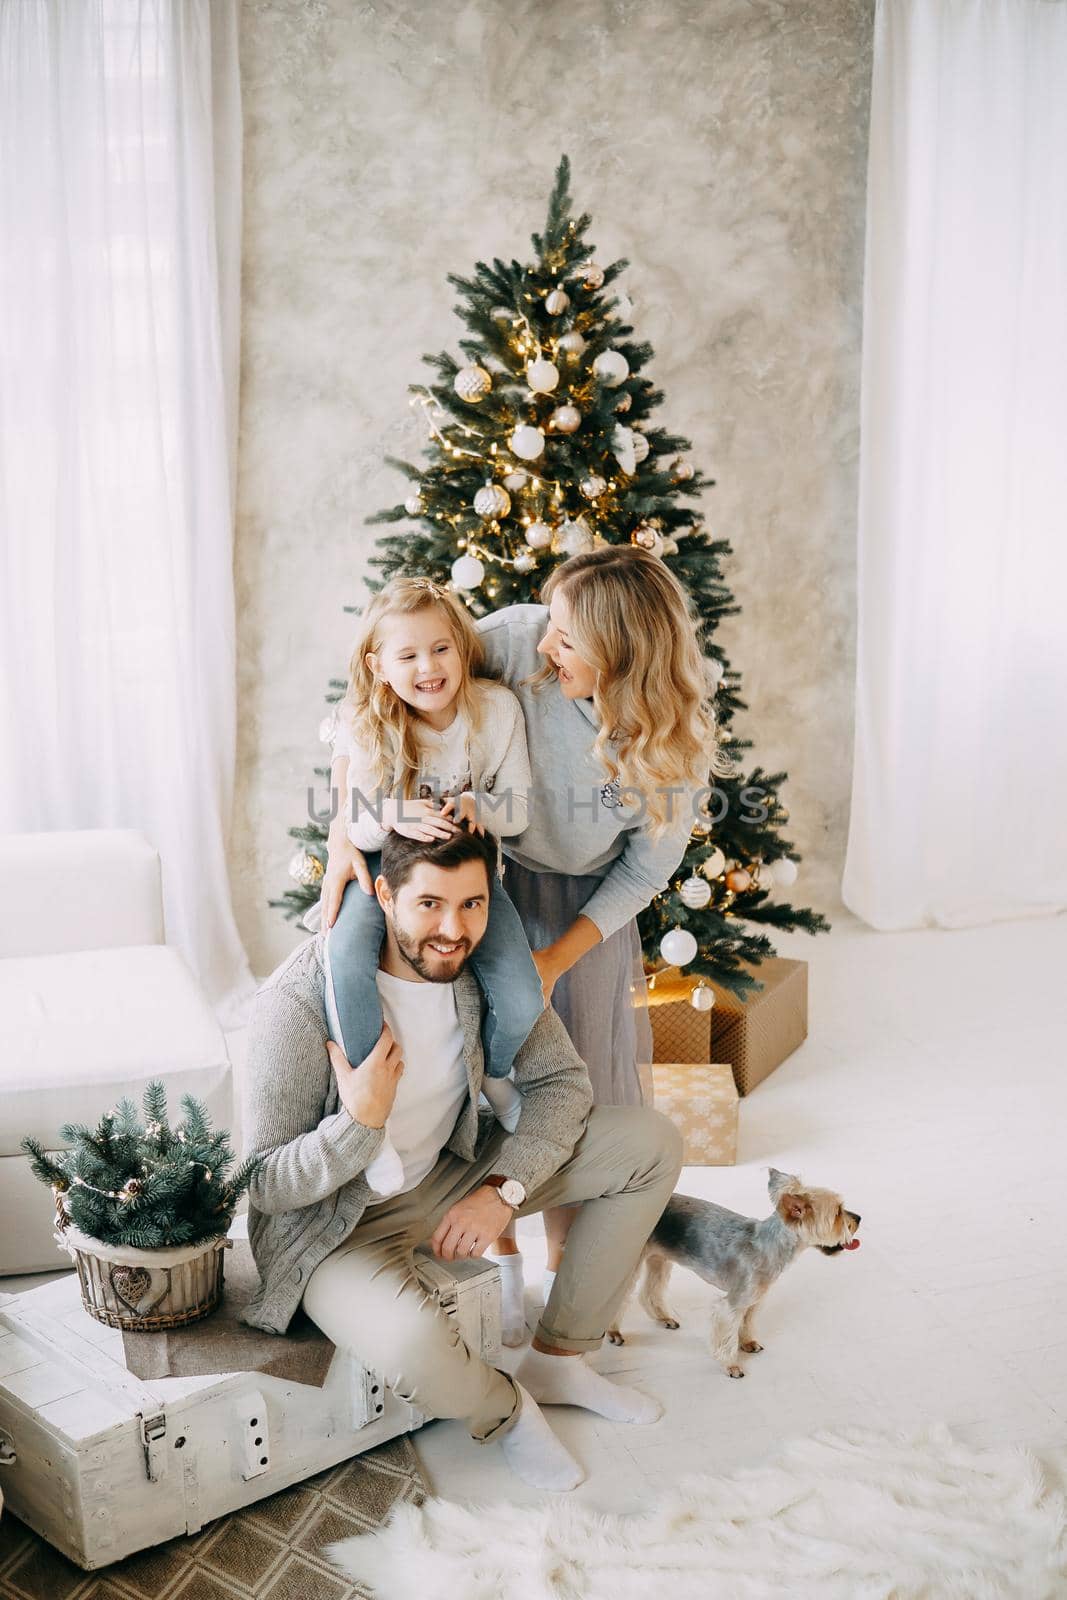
column 848, row 1515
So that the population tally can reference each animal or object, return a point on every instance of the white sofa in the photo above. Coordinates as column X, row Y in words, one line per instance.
column 93, row 1004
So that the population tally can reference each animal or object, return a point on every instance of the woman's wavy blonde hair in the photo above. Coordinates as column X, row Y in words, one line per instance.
column 630, row 619
column 379, row 720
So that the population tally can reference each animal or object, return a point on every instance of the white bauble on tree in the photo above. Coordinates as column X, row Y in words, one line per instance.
column 649, row 538
column 784, row 872
column 702, row 997
column 715, row 865
column 714, row 672
column 467, row 572
column 592, row 275
column 525, row 561
column 678, row 947
column 566, row 419
column 306, row 870
column 572, row 343
column 472, row 384
column 492, row 501
column 612, row 368
column 557, row 302
column 517, row 480
column 695, row 893
column 681, row 470
column 527, row 442
column 641, row 445
column 502, row 313
column 593, row 486
column 414, row 505
column 542, row 376
column 538, row 536
column 576, row 536
column 622, row 448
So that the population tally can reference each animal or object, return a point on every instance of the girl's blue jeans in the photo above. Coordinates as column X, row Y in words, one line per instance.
column 502, row 963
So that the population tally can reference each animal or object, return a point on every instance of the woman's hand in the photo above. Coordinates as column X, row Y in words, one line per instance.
column 550, row 969
column 419, row 819
column 343, row 863
column 464, row 808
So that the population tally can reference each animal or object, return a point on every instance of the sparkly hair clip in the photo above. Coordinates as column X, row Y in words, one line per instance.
column 429, row 585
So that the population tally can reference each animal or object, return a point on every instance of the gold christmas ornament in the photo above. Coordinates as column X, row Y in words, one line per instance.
column 492, row 501
column 542, row 376
column 593, row 276
column 738, row 880
column 593, row 487
column 472, row 384
column 306, row 870
column 682, row 471
column 647, row 537
column 557, row 302
column 566, row 419
column 538, row 535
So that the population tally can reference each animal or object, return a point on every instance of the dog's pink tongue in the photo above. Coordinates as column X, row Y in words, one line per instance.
column 853, row 1244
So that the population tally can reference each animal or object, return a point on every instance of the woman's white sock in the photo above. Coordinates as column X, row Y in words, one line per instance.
column 532, row 1450
column 385, row 1174
column 512, row 1308
column 567, row 1381
column 546, row 1284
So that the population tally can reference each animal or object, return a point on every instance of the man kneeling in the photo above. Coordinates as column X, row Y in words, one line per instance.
column 320, row 1234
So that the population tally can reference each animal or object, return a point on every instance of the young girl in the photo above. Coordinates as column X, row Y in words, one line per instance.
column 420, row 743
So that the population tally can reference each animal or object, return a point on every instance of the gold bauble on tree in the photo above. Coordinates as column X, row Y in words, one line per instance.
column 472, row 384
column 492, row 501
column 738, row 880
column 557, row 302
column 566, row 419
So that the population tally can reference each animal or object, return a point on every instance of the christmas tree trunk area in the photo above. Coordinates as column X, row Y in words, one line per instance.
column 542, row 442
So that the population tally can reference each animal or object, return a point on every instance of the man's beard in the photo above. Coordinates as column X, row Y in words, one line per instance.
column 412, row 951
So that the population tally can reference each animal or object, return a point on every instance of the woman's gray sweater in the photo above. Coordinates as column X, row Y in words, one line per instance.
column 310, row 1192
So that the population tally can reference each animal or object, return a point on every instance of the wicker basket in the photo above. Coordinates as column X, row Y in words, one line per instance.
column 144, row 1290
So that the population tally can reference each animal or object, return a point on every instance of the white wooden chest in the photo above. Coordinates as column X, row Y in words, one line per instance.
column 102, row 1464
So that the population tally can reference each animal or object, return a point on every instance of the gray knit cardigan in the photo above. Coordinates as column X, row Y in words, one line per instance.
column 310, row 1192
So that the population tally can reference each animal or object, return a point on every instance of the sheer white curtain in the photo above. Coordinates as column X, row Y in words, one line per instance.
column 120, row 163
column 960, row 785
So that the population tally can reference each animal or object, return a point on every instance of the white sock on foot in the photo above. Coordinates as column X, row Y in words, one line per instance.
column 512, row 1309
column 385, row 1174
column 546, row 1284
column 532, row 1450
column 567, row 1381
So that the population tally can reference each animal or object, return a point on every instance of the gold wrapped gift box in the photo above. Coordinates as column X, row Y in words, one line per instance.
column 701, row 1100
column 754, row 1035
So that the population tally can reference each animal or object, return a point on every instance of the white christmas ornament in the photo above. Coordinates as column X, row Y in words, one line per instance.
column 682, row 470
column 593, row 486
column 472, row 384
column 625, row 308
column 715, row 864
column 525, row 562
column 305, row 869
column 678, row 947
column 467, row 572
column 593, row 276
column 566, row 419
column 539, row 535
column 641, row 445
column 702, row 997
column 612, row 368
column 413, row 505
column 622, row 448
column 502, row 313
column 784, row 872
column 557, row 302
column 648, row 538
column 492, row 501
column 576, row 536
column 527, row 443
column 572, row 344
column 695, row 893
column 517, row 480
column 542, row 376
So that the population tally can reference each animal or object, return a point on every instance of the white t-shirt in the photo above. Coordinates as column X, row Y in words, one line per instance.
column 433, row 1086
column 445, row 757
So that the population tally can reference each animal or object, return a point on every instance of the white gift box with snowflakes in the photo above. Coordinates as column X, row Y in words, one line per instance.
column 701, row 1100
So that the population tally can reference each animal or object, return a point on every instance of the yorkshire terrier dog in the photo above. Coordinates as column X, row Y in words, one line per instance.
column 740, row 1255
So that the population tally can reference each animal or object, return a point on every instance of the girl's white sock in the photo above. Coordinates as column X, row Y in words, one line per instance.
column 385, row 1174
column 532, row 1450
column 567, row 1381
column 546, row 1285
column 512, row 1309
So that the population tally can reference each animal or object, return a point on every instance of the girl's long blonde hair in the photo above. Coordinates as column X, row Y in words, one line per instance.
column 630, row 619
column 383, row 724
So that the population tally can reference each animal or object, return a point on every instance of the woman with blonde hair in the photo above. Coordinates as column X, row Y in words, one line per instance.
column 611, row 680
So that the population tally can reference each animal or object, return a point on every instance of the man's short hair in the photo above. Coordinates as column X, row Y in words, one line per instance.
column 400, row 855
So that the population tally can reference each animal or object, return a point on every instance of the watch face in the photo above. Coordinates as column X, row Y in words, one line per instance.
column 513, row 1192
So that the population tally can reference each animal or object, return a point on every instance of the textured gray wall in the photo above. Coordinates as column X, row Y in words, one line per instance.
column 720, row 145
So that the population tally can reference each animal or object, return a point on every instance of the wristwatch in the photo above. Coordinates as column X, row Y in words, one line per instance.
column 511, row 1190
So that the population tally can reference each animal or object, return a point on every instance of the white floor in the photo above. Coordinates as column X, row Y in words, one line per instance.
column 932, row 1092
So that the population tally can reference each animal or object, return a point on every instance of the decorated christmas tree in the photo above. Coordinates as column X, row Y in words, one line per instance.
column 145, row 1184
column 542, row 443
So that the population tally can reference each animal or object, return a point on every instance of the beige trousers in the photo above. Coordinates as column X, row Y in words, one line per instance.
column 366, row 1297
